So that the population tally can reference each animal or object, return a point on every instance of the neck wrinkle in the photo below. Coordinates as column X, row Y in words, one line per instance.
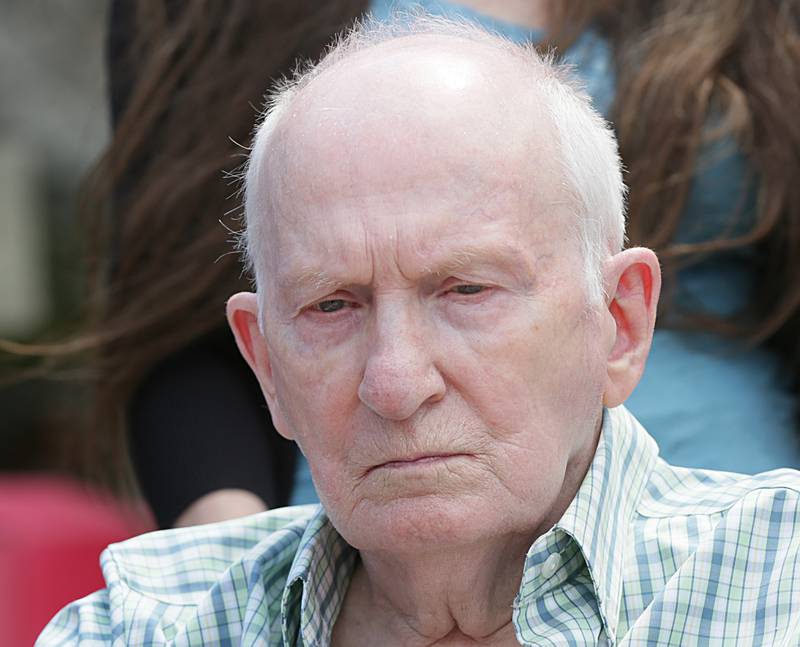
column 435, row 597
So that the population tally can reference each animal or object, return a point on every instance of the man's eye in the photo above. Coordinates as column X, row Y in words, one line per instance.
column 331, row 305
column 468, row 289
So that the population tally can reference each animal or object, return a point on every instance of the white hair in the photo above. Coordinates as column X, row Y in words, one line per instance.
column 589, row 162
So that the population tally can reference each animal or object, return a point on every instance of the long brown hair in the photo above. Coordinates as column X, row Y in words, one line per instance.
column 677, row 60
column 158, row 206
column 157, row 196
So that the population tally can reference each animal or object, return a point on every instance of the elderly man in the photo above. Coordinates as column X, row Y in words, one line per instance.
column 446, row 325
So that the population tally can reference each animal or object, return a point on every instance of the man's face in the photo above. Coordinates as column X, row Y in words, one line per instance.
column 431, row 347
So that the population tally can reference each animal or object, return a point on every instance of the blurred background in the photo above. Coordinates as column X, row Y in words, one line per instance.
column 712, row 152
column 53, row 125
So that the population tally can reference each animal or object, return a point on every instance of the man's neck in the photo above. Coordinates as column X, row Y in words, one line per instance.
column 460, row 596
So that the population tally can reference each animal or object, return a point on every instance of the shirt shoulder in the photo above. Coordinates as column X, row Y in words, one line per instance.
column 179, row 565
column 678, row 491
column 715, row 559
column 158, row 581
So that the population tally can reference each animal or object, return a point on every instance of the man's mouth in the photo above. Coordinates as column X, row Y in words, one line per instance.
column 422, row 460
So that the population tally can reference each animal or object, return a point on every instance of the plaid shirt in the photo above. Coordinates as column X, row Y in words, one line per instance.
column 646, row 554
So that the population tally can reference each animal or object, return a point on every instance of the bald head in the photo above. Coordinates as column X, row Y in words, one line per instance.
column 409, row 102
column 405, row 104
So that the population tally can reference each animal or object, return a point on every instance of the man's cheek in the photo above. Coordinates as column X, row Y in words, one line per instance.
column 309, row 366
column 319, row 398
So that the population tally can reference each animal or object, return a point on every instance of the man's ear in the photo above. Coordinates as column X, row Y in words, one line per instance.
column 243, row 318
column 632, row 280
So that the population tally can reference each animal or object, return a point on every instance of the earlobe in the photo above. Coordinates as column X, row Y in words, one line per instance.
column 633, row 282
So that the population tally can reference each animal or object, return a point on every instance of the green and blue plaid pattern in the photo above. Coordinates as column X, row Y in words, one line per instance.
column 646, row 554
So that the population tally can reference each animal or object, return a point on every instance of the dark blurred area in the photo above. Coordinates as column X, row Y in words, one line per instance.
column 53, row 124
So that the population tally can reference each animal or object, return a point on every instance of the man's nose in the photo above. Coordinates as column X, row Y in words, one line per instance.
column 400, row 374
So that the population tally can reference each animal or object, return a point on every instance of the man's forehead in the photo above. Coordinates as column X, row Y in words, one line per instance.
column 434, row 114
column 412, row 95
column 416, row 65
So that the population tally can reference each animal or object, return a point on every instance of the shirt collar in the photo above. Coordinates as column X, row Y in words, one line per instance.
column 599, row 517
column 317, row 583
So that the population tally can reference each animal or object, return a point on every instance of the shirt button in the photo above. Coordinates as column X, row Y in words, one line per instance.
column 551, row 565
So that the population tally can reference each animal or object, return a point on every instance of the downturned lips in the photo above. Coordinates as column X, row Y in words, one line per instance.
column 421, row 460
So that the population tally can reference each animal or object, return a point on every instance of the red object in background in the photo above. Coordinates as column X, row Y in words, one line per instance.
column 52, row 531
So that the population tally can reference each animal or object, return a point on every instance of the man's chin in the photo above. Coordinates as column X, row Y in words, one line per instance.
column 415, row 522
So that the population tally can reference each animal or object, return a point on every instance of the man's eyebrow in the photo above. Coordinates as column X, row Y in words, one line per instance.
column 309, row 278
column 507, row 256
